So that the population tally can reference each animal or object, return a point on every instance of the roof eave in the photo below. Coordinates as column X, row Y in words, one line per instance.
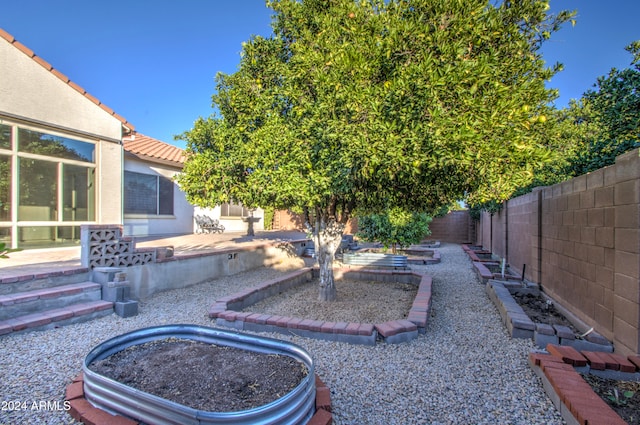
column 160, row 161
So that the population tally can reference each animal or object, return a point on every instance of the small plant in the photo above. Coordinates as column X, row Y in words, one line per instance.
column 4, row 250
column 396, row 228
column 620, row 401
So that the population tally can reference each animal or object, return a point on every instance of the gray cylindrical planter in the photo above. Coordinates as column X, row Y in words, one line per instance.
column 295, row 407
column 374, row 259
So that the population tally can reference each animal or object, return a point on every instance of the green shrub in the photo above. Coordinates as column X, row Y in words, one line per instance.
column 397, row 228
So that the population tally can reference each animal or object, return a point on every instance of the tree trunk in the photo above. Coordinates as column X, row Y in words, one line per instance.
column 327, row 238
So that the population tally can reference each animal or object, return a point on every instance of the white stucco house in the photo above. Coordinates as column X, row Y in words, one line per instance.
column 66, row 159
column 153, row 203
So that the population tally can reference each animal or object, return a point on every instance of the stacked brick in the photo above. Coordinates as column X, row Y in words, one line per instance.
column 454, row 227
column 573, row 396
column 83, row 411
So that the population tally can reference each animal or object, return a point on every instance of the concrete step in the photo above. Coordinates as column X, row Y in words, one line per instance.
column 33, row 301
column 56, row 317
column 12, row 283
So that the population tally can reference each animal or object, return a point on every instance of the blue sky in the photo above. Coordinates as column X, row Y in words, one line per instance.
column 154, row 61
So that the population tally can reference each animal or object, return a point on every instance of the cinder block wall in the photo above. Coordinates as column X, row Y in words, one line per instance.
column 581, row 240
column 499, row 233
column 522, row 233
column 288, row 220
column 453, row 227
column 626, row 278
column 483, row 230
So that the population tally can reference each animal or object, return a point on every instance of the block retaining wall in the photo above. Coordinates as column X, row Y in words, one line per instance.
column 103, row 245
column 580, row 240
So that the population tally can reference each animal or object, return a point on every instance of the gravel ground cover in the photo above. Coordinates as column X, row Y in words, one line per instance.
column 464, row 370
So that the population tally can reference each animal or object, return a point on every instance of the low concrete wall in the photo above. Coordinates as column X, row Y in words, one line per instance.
column 184, row 270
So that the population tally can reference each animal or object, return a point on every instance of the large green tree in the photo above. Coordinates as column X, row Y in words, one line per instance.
column 568, row 134
column 360, row 106
column 592, row 131
column 611, row 111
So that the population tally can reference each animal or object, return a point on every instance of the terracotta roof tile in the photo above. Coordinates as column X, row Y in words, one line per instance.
column 77, row 87
column 24, row 49
column 60, row 75
column 119, row 117
column 92, row 98
column 46, row 65
column 148, row 148
column 6, row 36
column 109, row 110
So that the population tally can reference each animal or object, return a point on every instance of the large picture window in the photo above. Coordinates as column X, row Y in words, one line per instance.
column 56, row 146
column 77, row 193
column 5, row 136
column 47, row 186
column 5, row 188
column 38, row 190
column 233, row 210
column 147, row 194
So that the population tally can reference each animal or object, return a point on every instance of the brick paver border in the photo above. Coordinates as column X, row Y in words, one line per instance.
column 227, row 310
column 83, row 411
column 572, row 396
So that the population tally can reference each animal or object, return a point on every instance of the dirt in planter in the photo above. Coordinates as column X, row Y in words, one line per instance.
column 627, row 402
column 496, row 269
column 357, row 301
column 204, row 376
column 540, row 311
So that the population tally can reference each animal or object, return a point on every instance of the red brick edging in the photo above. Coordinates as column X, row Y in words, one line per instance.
column 571, row 394
column 83, row 411
column 226, row 311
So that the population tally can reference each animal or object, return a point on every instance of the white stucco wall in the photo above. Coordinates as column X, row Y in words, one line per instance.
column 109, row 183
column 29, row 90
column 181, row 222
column 33, row 94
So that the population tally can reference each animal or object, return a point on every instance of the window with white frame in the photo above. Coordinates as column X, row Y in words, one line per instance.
column 232, row 209
column 147, row 194
column 47, row 185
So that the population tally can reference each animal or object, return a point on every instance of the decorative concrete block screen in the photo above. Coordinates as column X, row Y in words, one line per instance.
column 104, row 246
column 580, row 239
